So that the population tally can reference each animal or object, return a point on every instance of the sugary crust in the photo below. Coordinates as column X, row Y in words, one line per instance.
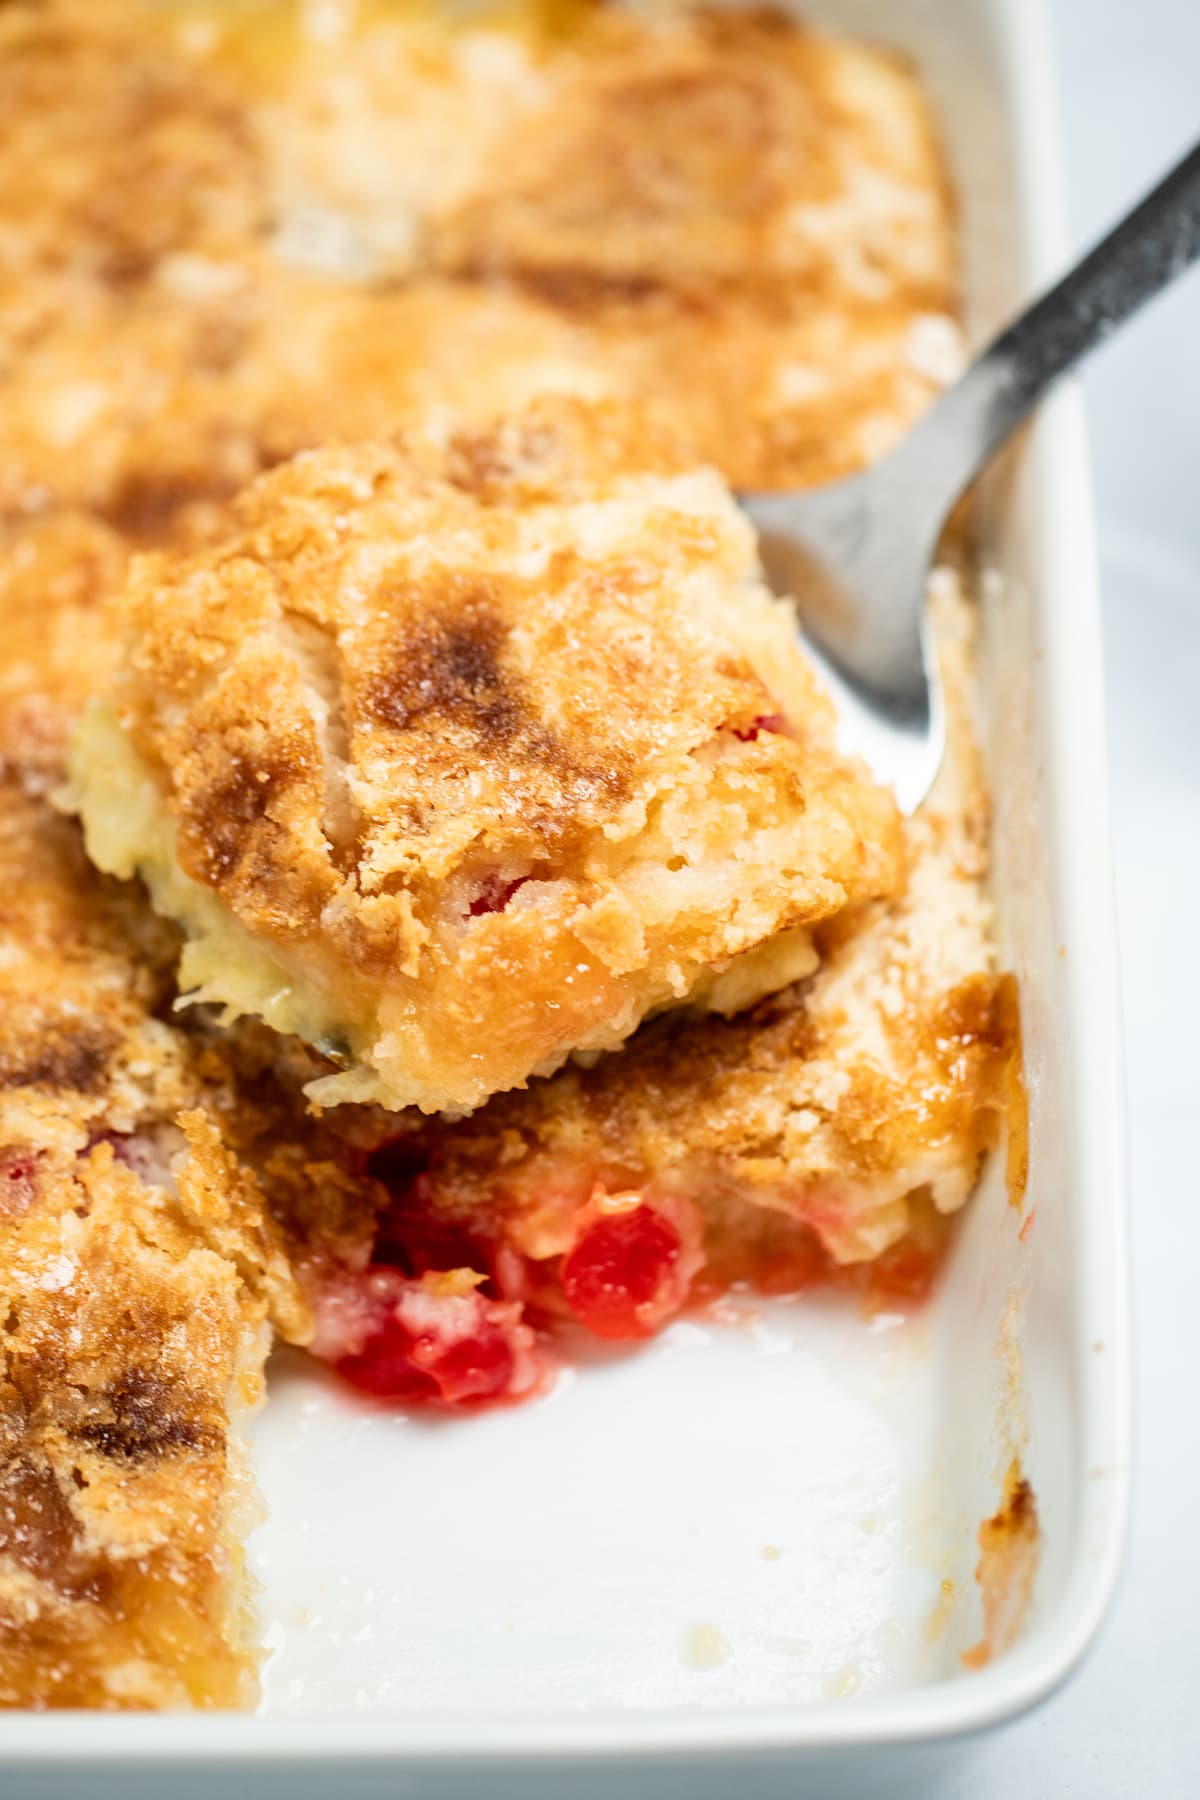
column 130, row 1351
column 140, row 1259
column 469, row 734
column 738, row 198
column 701, row 153
column 129, row 1345
column 880, row 1080
column 55, row 574
column 121, row 145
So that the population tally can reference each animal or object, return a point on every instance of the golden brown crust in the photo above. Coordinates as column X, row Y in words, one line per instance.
column 468, row 735
column 96, row 109
column 128, row 1346
column 881, row 1078
column 139, row 1265
column 121, row 146
column 54, row 576
column 128, row 1343
column 821, row 315
column 139, row 1261
column 230, row 393
column 711, row 152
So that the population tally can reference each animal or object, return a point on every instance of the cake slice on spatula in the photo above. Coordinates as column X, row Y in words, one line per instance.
column 459, row 755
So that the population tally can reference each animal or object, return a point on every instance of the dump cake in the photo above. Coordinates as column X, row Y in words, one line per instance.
column 237, row 235
column 132, row 1345
column 827, row 1134
column 166, row 1209
column 461, row 755
column 142, row 1269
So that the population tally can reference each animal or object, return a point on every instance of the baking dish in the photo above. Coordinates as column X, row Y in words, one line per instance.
column 747, row 1554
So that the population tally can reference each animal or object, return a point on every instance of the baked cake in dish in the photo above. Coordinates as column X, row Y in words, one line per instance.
column 144, row 1265
column 133, row 1348
column 828, row 1133
column 459, row 756
column 437, row 295
column 242, row 231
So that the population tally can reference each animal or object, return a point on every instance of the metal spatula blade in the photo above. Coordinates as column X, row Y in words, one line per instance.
column 855, row 556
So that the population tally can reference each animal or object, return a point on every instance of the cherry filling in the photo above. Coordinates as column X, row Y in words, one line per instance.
column 411, row 1237
column 629, row 1268
column 445, row 1313
column 770, row 722
column 18, row 1181
column 427, row 1323
column 433, row 1340
column 494, row 895
column 439, row 1316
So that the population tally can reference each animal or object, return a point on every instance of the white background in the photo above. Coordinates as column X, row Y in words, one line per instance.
column 1129, row 1724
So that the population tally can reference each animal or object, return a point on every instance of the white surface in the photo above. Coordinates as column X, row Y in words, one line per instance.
column 604, row 1548
column 1129, row 1725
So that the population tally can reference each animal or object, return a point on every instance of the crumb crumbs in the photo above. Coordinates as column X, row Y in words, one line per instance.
column 705, row 1647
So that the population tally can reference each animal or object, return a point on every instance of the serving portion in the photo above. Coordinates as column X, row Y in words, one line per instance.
column 459, row 756
column 825, row 1135
column 369, row 387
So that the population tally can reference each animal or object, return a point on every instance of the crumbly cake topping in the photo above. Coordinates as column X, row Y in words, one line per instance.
column 747, row 227
column 486, row 746
column 122, row 146
column 140, row 1257
column 878, row 1079
column 130, row 1347
column 131, row 1356
column 710, row 152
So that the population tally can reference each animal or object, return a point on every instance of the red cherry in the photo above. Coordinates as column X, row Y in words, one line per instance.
column 773, row 722
column 494, row 895
column 622, row 1276
column 385, row 1367
column 419, row 1242
column 418, row 1342
column 478, row 1367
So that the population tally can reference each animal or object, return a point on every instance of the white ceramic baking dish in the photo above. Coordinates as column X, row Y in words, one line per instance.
column 718, row 1564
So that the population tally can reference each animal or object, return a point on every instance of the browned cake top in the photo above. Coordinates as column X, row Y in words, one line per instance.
column 120, row 144
column 404, row 660
column 879, row 1079
column 130, row 1342
column 493, row 738
column 738, row 220
column 139, row 1261
column 709, row 152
